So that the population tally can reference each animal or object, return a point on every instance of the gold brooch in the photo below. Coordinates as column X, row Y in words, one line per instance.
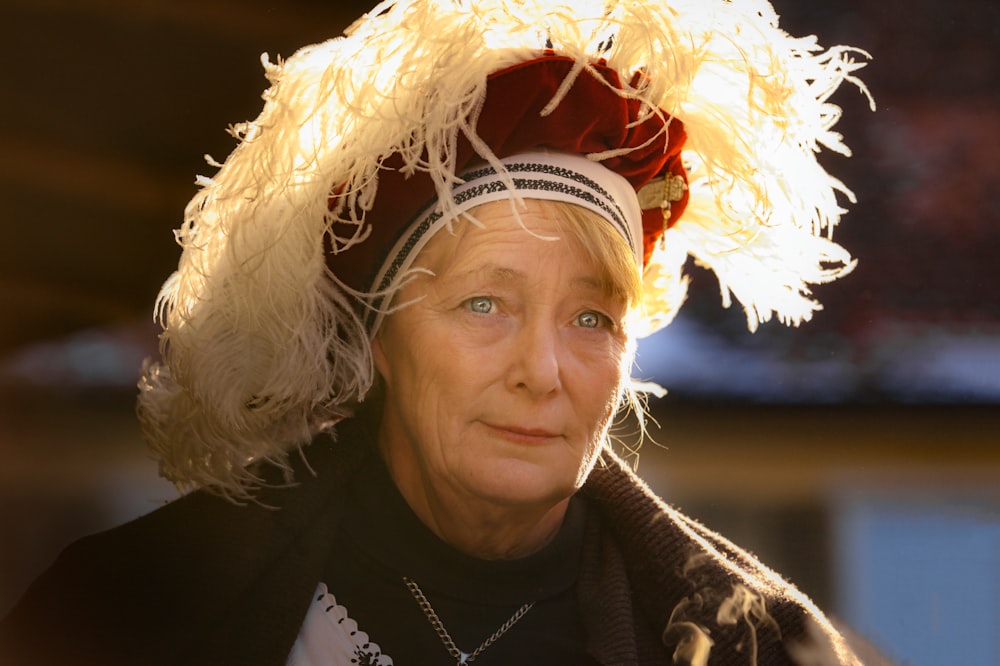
column 661, row 192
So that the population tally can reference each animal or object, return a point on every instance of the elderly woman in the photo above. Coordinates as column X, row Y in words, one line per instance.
column 422, row 274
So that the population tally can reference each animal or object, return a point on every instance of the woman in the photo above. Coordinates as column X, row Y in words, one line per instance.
column 438, row 243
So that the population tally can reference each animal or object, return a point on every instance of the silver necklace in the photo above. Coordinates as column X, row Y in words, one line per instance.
column 449, row 644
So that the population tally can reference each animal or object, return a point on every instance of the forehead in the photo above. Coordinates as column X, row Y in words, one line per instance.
column 495, row 234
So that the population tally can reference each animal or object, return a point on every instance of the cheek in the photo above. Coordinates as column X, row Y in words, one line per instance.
column 429, row 377
column 380, row 359
column 594, row 404
column 609, row 400
column 599, row 374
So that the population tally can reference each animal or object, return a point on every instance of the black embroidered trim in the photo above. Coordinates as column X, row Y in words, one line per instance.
column 604, row 202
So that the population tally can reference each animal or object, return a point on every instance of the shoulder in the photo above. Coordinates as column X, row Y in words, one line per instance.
column 145, row 586
column 700, row 592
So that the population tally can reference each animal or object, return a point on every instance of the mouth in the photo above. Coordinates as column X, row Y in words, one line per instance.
column 523, row 434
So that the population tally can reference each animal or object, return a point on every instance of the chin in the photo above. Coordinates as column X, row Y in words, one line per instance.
column 519, row 482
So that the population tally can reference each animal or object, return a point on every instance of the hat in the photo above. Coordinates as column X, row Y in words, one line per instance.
column 711, row 113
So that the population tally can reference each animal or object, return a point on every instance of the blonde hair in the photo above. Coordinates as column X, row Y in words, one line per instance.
column 605, row 247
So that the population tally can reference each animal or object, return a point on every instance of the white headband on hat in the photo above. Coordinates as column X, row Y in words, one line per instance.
column 544, row 175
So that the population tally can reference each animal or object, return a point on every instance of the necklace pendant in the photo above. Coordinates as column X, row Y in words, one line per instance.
column 449, row 644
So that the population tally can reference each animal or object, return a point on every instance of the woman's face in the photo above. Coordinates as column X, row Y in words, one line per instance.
column 502, row 379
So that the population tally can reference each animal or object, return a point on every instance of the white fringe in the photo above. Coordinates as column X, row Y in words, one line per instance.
column 253, row 364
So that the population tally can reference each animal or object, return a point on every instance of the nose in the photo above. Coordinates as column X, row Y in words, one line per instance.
column 535, row 360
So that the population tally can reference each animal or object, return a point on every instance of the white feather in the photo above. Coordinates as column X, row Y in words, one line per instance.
column 262, row 347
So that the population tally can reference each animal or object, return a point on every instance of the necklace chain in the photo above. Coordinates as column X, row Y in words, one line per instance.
column 432, row 617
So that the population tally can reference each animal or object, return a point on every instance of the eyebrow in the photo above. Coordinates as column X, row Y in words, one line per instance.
column 505, row 274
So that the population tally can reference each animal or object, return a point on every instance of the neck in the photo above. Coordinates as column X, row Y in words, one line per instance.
column 474, row 525
column 488, row 532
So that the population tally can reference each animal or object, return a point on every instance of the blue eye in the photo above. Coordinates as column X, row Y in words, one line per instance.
column 480, row 304
column 588, row 320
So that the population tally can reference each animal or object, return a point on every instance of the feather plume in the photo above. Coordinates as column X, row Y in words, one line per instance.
column 262, row 346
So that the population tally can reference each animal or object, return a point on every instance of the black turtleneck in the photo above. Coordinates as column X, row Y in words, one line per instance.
column 381, row 540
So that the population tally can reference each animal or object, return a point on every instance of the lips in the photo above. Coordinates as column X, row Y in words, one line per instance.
column 524, row 433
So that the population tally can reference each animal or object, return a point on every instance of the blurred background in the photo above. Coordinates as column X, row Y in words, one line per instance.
column 859, row 455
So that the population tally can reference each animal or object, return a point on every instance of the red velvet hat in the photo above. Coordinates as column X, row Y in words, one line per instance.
column 593, row 117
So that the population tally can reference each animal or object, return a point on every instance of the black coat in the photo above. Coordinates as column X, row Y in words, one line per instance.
column 202, row 581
